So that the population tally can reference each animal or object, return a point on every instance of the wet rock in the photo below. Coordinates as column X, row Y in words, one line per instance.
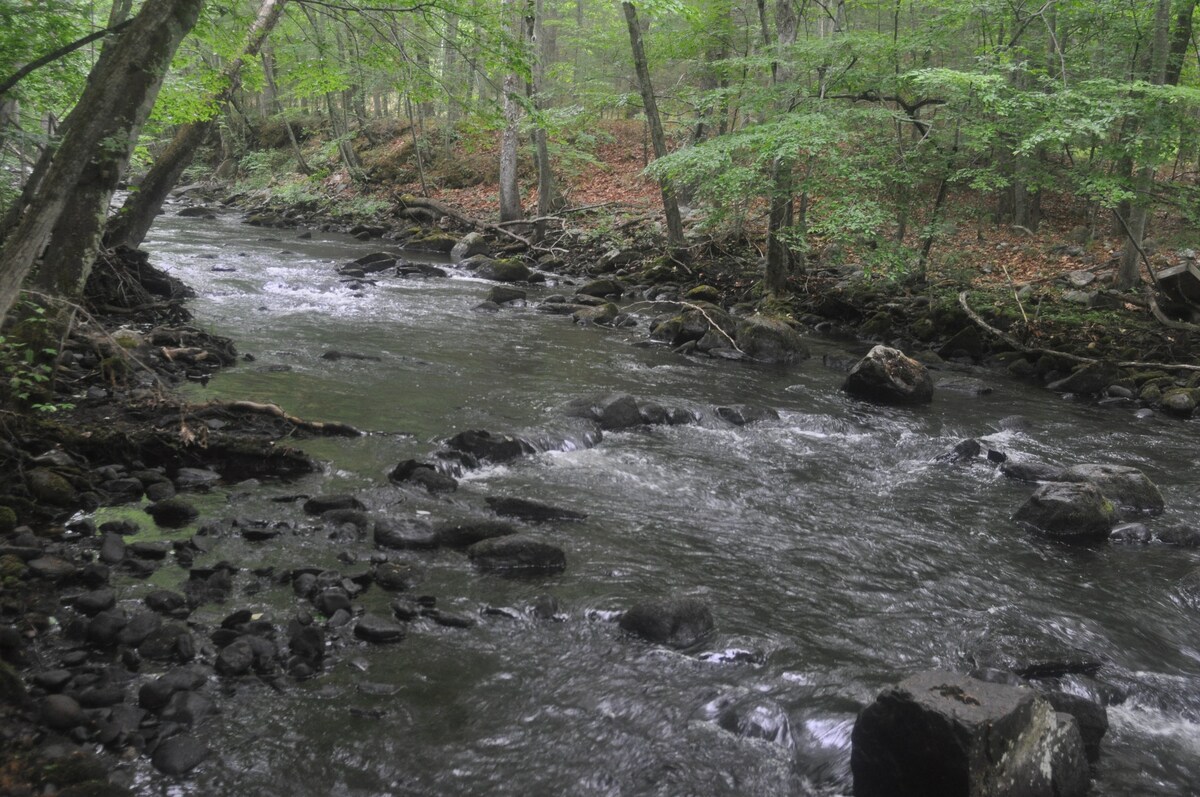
column 101, row 696
column 187, row 708
column 112, row 549
column 615, row 411
column 1180, row 402
column 52, row 568
column 206, row 585
column 888, row 376
column 397, row 576
column 752, row 716
column 742, row 414
column 179, row 755
column 102, row 630
column 1181, row 536
column 484, row 445
column 172, row 512
column 373, row 628
column 155, row 695
column 1069, row 512
column 693, row 324
column 450, row 619
column 1031, row 471
column 601, row 288
column 139, row 628
column 1088, row 380
column 1130, row 533
column 405, row 610
column 963, row 451
column 163, row 601
column 404, row 534
column 329, row 601
column 531, row 511
column 602, row 315
column 92, row 603
column 320, row 504
column 964, row 385
column 1091, row 717
column 62, row 712
column 47, row 487
column 154, row 551
column 1128, row 488
column 674, row 622
column 770, row 340
column 245, row 653
column 196, row 478
column 171, row 642
column 517, row 555
column 467, row 533
column 471, row 244
column 504, row 270
column 53, row 680
column 503, row 294
column 340, row 517
column 335, row 355
column 423, row 474
column 946, row 734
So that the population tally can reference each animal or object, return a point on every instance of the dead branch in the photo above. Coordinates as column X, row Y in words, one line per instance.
column 699, row 310
column 330, row 428
column 410, row 201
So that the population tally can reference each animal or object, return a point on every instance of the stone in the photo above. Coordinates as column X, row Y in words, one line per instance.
column 1091, row 717
column 404, row 534
column 485, row 445
column 1180, row 402
column 172, row 513
column 517, row 555
column 770, row 340
column 329, row 601
column 373, row 628
column 742, row 414
column 62, row 712
column 467, row 533
column 951, row 735
column 1069, row 512
column 112, row 549
column 601, row 288
column 169, row 643
column 1128, row 488
column 613, row 411
column 52, row 568
column 1031, row 471
column 674, row 622
column 196, row 478
column 504, row 270
column 163, row 601
column 48, row 487
column 503, row 294
column 103, row 629
column 424, row 475
column 1180, row 536
column 320, row 504
column 888, row 376
column 92, row 603
column 1089, row 379
column 179, row 755
column 752, row 716
column 601, row 315
column 1130, row 533
column 531, row 511
column 138, row 629
column 397, row 576
column 471, row 244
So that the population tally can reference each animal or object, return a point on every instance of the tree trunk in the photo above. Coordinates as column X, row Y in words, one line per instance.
column 657, row 137
column 133, row 221
column 1129, row 268
column 550, row 199
column 510, row 194
column 100, row 136
column 779, row 255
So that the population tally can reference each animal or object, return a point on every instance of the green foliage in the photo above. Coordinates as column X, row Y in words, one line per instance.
column 26, row 367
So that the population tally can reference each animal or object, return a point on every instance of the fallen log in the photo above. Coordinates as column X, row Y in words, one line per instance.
column 330, row 428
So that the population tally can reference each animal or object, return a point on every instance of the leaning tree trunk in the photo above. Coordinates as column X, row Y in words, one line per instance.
column 101, row 134
column 133, row 221
column 657, row 137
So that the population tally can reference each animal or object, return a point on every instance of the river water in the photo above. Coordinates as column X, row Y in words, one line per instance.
column 829, row 544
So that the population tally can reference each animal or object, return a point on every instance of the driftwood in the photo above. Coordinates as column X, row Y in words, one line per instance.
column 410, row 201
column 1021, row 347
column 330, row 428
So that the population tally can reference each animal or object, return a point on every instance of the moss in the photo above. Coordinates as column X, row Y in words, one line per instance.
column 11, row 567
column 704, row 293
column 12, row 688
column 8, row 519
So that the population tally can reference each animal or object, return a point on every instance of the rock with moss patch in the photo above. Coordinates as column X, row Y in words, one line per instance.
column 770, row 340
column 47, row 487
column 1180, row 402
column 888, row 376
column 703, row 293
column 1069, row 512
column 604, row 315
column 471, row 244
column 8, row 519
column 1129, row 488
column 504, row 270
column 601, row 288
column 172, row 512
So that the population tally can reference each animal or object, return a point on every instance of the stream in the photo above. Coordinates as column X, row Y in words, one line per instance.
column 836, row 554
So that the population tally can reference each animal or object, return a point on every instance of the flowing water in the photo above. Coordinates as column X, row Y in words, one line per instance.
column 829, row 543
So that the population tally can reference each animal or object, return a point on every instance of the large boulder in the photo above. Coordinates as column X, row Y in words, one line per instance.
column 694, row 323
column 1069, row 512
column 504, row 270
column 770, row 340
column 469, row 245
column 950, row 735
column 1128, row 488
column 485, row 445
column 674, row 622
column 531, row 511
column 888, row 376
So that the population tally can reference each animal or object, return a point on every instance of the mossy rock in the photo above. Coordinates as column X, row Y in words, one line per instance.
column 507, row 269
column 877, row 325
column 8, row 519
column 12, row 567
column 1150, row 393
column 693, row 324
column 1181, row 401
column 770, row 340
column 48, row 487
column 924, row 329
column 432, row 242
column 703, row 293
column 12, row 688
column 603, row 315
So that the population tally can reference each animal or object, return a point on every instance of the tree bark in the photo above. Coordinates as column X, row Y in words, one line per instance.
column 1130, row 266
column 550, row 199
column 101, row 133
column 779, row 255
column 657, row 137
column 133, row 221
column 510, row 194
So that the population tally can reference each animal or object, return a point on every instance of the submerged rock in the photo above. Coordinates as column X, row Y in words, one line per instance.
column 485, row 445
column 373, row 628
column 423, row 474
column 531, row 511
column 320, row 504
column 467, row 533
column 674, row 622
column 179, row 754
column 742, row 414
column 404, row 534
column 888, row 376
column 517, row 555
column 1069, row 512
column 943, row 734
column 172, row 512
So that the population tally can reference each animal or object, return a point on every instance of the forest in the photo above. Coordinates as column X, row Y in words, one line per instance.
column 598, row 396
